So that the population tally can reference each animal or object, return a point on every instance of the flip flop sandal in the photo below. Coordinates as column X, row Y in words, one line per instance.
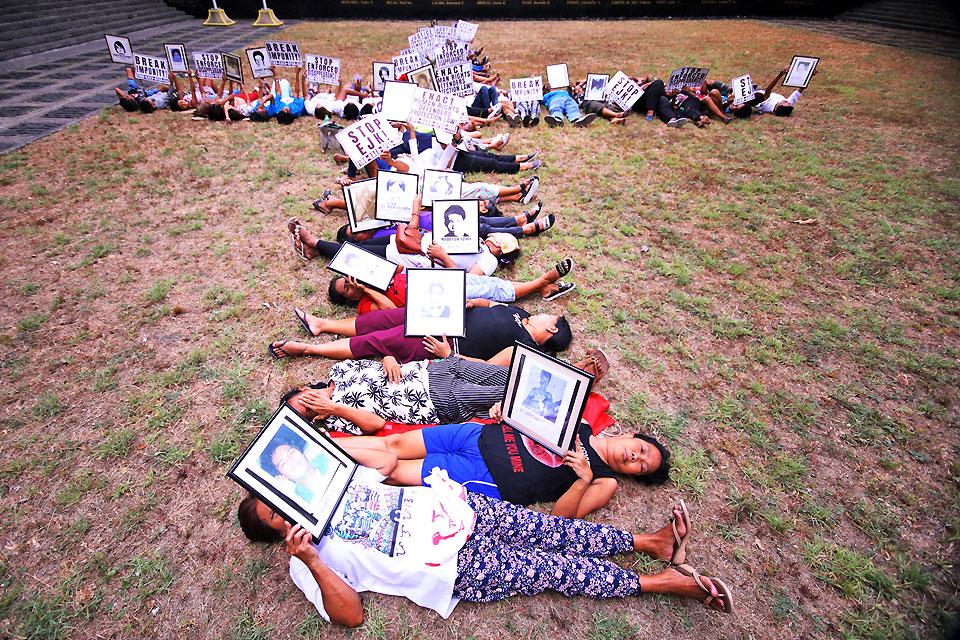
column 600, row 365
column 680, row 543
column 295, row 240
column 303, row 321
column 726, row 595
column 565, row 266
column 275, row 349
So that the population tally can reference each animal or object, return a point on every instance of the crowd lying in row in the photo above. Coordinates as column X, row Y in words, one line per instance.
column 456, row 384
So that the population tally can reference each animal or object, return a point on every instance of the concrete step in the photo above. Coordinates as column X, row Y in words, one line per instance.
column 48, row 23
column 922, row 15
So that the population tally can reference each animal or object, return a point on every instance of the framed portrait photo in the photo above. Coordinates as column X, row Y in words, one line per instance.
column 424, row 77
column 232, row 67
column 557, row 76
column 120, row 50
column 177, row 57
column 382, row 73
column 436, row 303
column 545, row 397
column 800, row 71
column 295, row 470
column 396, row 193
column 361, row 200
column 596, row 86
column 259, row 61
column 369, row 268
column 441, row 185
column 456, row 225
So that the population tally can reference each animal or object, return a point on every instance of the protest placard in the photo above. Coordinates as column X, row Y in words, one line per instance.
column 465, row 31
column 557, row 76
column 423, row 42
column 149, row 68
column 259, row 61
column 526, row 89
column 687, row 77
column 177, row 57
column 443, row 33
column 364, row 140
column 407, row 61
column 382, row 72
column 455, row 80
column 742, row 89
column 120, row 50
column 596, row 86
column 323, row 70
column 284, row 54
column 208, row 65
column 452, row 53
column 232, row 67
column 433, row 109
column 622, row 91
column 397, row 100
column 424, row 77
column 800, row 72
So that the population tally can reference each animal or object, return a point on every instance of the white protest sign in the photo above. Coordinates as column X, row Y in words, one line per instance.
column 367, row 138
column 284, row 54
column 687, row 77
column 557, row 75
column 742, row 89
column 526, row 89
column 423, row 41
column 150, row 68
column 623, row 91
column 465, row 31
column 433, row 109
column 451, row 53
column 455, row 80
column 259, row 62
column 407, row 61
column 119, row 48
column 208, row 65
column 442, row 33
column 322, row 70
column 397, row 99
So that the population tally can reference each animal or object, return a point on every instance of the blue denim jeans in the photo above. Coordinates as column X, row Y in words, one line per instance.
column 560, row 104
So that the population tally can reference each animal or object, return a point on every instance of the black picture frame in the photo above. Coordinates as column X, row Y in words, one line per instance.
column 378, row 83
column 588, row 90
column 555, row 435
column 352, row 198
column 793, row 72
column 248, row 472
column 384, row 197
column 425, row 71
column 259, row 71
column 451, row 315
column 229, row 57
column 386, row 269
column 177, row 46
column 429, row 176
column 471, row 209
column 119, row 58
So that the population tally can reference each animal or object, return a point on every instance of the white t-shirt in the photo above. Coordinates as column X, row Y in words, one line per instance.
column 768, row 105
column 400, row 541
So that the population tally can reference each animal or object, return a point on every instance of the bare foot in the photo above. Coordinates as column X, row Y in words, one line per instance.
column 620, row 121
column 665, row 543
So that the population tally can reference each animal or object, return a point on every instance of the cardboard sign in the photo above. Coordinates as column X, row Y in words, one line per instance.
column 423, row 42
column 526, row 89
column 120, row 50
column 259, row 61
column 150, row 68
column 407, row 61
column 557, row 76
column 742, row 89
column 596, row 86
column 365, row 139
column 232, row 67
column 800, row 72
column 687, row 77
column 455, row 80
column 208, row 65
column 623, row 91
column 443, row 33
column 323, row 70
column 465, row 31
column 177, row 57
column 452, row 53
column 284, row 54
column 433, row 109
column 397, row 100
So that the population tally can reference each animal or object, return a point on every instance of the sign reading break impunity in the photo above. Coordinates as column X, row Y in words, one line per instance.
column 526, row 89
column 150, row 68
column 284, row 54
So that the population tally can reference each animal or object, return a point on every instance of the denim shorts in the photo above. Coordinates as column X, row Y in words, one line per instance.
column 455, row 448
column 490, row 288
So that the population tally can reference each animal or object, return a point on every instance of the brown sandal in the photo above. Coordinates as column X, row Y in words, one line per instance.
column 725, row 597
column 595, row 363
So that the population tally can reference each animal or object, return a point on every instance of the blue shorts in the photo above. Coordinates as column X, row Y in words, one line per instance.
column 454, row 447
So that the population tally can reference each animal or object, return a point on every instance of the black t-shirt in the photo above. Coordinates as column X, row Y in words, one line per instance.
column 490, row 330
column 525, row 472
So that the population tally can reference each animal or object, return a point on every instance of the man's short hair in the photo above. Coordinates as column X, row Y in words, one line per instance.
column 455, row 210
column 257, row 116
column 351, row 111
column 560, row 340
column 146, row 106
column 783, row 110
column 335, row 296
column 662, row 474
column 217, row 113
column 285, row 117
column 129, row 104
column 253, row 527
column 234, row 115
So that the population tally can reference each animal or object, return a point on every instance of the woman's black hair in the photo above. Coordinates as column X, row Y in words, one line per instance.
column 782, row 110
column 252, row 526
column 257, row 116
column 662, row 474
column 296, row 390
column 351, row 111
column 147, row 107
column 129, row 104
column 234, row 115
column 285, row 117
column 743, row 112
column 342, row 233
column 217, row 113
column 560, row 340
column 335, row 296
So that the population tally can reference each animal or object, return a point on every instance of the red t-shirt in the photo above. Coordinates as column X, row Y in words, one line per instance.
column 396, row 293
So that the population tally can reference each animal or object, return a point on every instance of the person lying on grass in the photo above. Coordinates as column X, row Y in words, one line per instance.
column 280, row 99
column 136, row 97
column 774, row 102
column 361, row 395
column 562, row 105
column 491, row 332
column 383, row 540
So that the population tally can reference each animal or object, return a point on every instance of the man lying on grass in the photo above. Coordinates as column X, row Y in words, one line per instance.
column 438, row 545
